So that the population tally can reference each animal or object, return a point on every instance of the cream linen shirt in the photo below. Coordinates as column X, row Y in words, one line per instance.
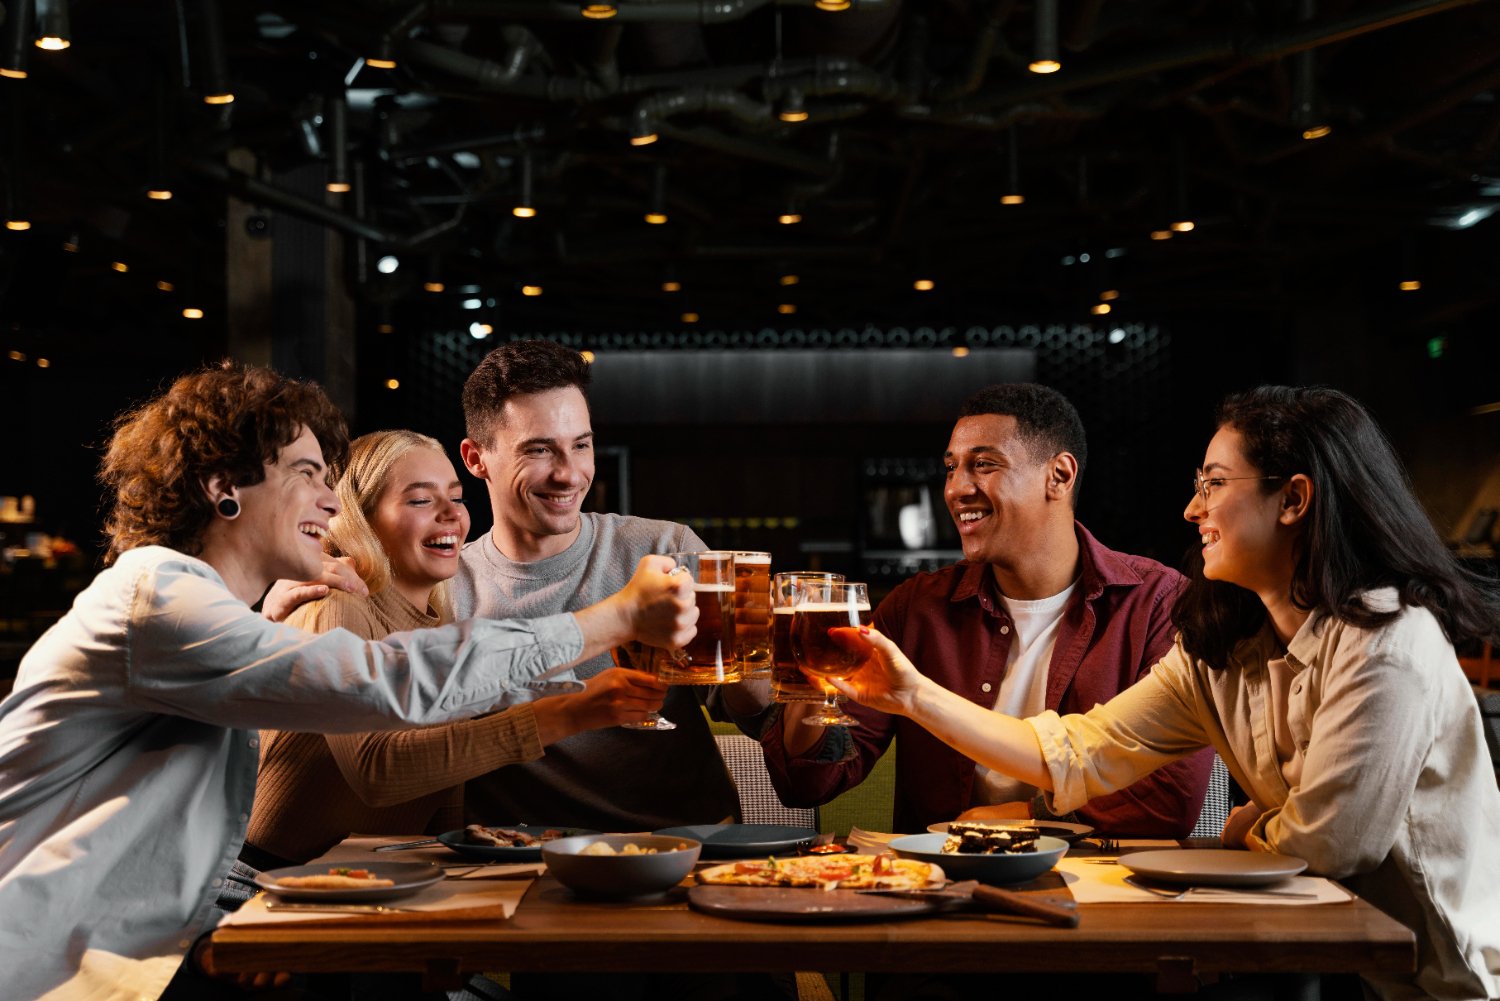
column 1396, row 797
column 128, row 756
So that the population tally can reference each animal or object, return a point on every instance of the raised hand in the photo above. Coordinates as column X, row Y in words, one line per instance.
column 609, row 698
column 886, row 681
column 660, row 604
column 286, row 596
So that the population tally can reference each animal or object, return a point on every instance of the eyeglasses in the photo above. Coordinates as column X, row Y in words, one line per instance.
column 1203, row 484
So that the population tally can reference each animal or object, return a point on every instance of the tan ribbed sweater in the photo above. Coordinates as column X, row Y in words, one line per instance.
column 314, row 790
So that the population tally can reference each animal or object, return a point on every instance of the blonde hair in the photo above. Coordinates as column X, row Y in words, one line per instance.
column 350, row 534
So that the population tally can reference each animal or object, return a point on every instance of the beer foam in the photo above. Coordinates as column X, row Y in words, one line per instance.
column 712, row 588
column 753, row 559
column 831, row 606
column 783, row 610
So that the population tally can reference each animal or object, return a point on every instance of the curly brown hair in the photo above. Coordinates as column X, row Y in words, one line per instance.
column 228, row 419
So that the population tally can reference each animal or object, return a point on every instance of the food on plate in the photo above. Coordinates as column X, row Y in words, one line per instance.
column 629, row 848
column 506, row 837
column 336, row 879
column 848, row 872
column 989, row 839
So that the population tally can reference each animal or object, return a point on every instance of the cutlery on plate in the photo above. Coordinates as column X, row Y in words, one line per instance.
column 1247, row 891
column 272, row 905
column 1160, row 891
column 991, row 898
column 407, row 844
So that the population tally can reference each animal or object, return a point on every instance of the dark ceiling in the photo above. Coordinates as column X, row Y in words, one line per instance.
column 920, row 117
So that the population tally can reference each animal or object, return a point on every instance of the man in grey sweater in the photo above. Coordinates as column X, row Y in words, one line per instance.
column 531, row 441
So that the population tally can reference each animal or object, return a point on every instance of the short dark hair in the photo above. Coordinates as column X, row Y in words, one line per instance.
column 1046, row 422
column 1366, row 528
column 516, row 369
column 228, row 420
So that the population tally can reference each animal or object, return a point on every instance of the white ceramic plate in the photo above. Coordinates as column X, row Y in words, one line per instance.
column 408, row 877
column 1212, row 866
column 1048, row 828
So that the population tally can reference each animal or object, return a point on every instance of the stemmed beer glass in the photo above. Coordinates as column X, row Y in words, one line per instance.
column 825, row 614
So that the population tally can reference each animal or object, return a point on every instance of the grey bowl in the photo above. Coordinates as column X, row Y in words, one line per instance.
column 996, row 870
column 620, row 875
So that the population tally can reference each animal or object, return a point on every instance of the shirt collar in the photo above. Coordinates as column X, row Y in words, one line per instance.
column 1101, row 567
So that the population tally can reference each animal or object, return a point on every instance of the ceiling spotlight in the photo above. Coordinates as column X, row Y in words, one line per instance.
column 384, row 56
column 166, row 286
column 598, row 11
column 17, row 225
column 832, row 5
column 1013, row 194
column 1044, row 38
column 960, row 352
column 1101, row 309
column 387, row 265
column 689, row 317
column 1161, row 234
column 43, row 363
column 337, row 108
column 531, row 290
column 159, row 194
column 924, row 284
column 671, row 286
column 192, row 313
column 52, row 31
column 656, row 211
column 792, row 107
column 377, row 63
column 1012, row 199
column 789, row 218
column 787, row 308
column 213, row 68
column 1117, row 335
column 1316, row 131
column 587, row 356
column 525, row 207
column 789, row 279
column 393, row 384
column 479, row 331
column 642, row 130
column 1184, row 226
column 1410, row 286
column 13, row 55
column 385, row 328
column 433, row 286
column 120, row 266
column 1109, row 295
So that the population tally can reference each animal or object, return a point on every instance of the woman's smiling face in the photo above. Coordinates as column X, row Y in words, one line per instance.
column 1245, row 540
column 420, row 518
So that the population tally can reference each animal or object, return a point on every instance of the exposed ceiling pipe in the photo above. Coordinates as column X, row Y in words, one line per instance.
column 834, row 77
column 657, row 108
column 507, row 77
column 1265, row 49
column 750, row 149
column 979, row 55
column 253, row 189
column 700, row 11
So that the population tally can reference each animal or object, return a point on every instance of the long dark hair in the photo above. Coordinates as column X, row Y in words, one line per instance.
column 1365, row 528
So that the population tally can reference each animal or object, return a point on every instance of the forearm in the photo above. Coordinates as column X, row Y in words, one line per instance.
column 1002, row 743
column 797, row 739
column 604, row 626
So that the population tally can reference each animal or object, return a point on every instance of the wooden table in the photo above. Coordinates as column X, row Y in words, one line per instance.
column 554, row 931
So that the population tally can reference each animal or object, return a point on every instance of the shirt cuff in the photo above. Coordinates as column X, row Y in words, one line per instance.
column 1063, row 764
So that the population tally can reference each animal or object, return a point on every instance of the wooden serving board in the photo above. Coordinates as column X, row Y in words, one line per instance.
column 786, row 903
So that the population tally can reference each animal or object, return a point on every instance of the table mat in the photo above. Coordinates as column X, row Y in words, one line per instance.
column 1095, row 881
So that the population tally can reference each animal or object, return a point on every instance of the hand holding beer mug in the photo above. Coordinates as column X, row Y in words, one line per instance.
column 752, row 614
column 822, row 620
column 788, row 683
column 708, row 659
column 639, row 657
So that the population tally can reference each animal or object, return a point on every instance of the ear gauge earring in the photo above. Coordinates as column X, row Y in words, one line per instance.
column 229, row 508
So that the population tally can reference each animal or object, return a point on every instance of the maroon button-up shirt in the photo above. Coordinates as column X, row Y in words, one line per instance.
column 953, row 626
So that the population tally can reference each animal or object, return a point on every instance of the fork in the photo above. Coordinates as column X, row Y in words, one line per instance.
column 1158, row 890
column 272, row 905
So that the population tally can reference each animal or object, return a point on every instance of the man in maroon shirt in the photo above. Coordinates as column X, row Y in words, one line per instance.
column 1038, row 615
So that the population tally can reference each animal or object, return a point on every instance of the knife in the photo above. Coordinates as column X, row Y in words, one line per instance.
column 1064, row 915
column 338, row 908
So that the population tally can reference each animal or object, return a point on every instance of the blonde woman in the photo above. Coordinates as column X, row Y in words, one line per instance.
column 402, row 524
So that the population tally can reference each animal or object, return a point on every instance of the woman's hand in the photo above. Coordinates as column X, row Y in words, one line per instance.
column 617, row 695
column 887, row 681
column 1241, row 820
column 286, row 596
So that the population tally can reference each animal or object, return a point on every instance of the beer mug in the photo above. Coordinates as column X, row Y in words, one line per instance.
column 708, row 659
column 788, row 683
column 752, row 614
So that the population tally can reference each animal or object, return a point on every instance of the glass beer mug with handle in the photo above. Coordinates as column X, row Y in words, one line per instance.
column 709, row 657
column 639, row 657
column 822, row 620
column 788, row 684
column 752, row 614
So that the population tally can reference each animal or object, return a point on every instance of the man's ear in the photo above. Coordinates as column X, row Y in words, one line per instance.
column 217, row 487
column 473, row 458
column 1062, row 475
column 1296, row 499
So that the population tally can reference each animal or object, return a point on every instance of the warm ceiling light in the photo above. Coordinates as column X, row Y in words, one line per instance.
column 479, row 331
column 43, row 363
column 689, row 317
column 380, row 63
column 1410, row 286
column 789, row 279
column 17, row 225
column 525, row 202
column 1012, row 199
column 1044, row 38
column 159, row 194
column 14, row 74
column 120, row 266
column 598, row 11
column 656, row 218
column 17, row 356
column 532, row 290
column 1044, row 66
column 385, row 328
column 1184, row 226
column 1161, row 234
column 832, row 5
column 960, row 352
column 792, row 114
column 52, row 43
column 1101, row 309
column 1109, row 295
column 393, row 384
column 433, row 286
column 671, row 286
column 225, row 98
column 587, row 356
column 166, row 286
column 924, row 285
column 192, row 313
column 523, row 212
column 789, row 218
column 644, row 139
column 1316, row 131
column 787, row 308
column 338, row 187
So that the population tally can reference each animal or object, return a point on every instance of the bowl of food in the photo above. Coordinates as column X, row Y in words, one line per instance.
column 998, row 856
column 620, row 865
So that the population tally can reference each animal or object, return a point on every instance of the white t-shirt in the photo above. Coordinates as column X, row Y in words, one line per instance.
column 1023, row 693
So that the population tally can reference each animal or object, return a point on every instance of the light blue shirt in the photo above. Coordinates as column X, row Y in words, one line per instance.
column 128, row 753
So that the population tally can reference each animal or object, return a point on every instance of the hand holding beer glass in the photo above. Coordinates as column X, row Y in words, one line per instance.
column 709, row 658
column 822, row 620
column 639, row 657
column 788, row 683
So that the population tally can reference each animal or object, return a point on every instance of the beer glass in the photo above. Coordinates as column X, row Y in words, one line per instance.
column 640, row 657
column 825, row 643
column 708, row 659
column 752, row 614
column 788, row 684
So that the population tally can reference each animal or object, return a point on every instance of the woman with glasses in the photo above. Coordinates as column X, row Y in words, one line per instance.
column 1316, row 655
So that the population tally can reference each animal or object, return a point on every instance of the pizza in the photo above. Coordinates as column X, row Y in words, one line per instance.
column 828, row 872
column 505, row 837
column 336, row 879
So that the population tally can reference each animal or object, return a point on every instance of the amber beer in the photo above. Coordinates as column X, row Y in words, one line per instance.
column 752, row 613
column 788, row 683
column 708, row 659
column 819, row 653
